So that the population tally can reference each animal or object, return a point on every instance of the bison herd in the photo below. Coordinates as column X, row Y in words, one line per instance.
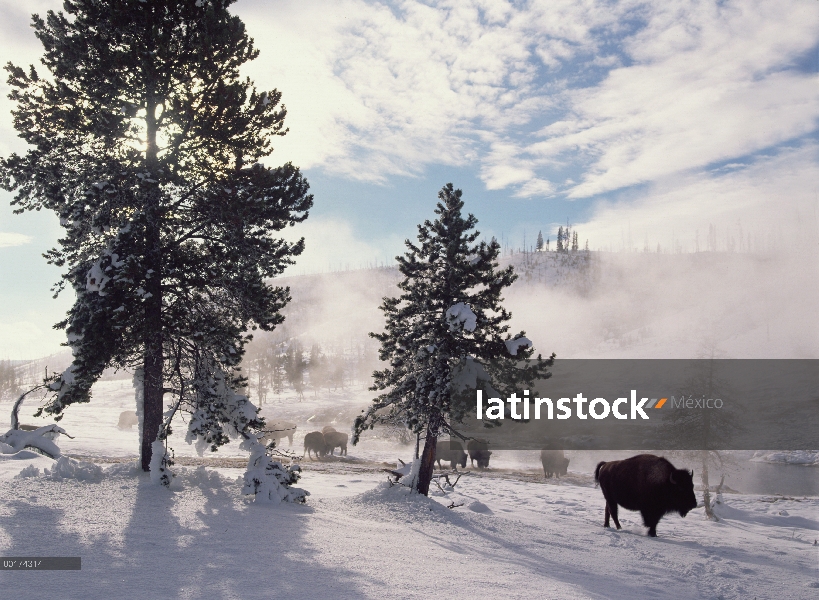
column 452, row 451
column 645, row 483
column 325, row 442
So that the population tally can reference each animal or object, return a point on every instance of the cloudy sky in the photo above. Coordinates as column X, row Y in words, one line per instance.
column 641, row 123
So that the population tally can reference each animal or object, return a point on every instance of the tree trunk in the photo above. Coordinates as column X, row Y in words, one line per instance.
column 427, row 463
column 152, row 334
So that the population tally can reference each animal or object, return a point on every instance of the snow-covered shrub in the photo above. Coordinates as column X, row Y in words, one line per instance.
column 219, row 414
column 29, row 471
column 68, row 468
column 268, row 479
column 161, row 473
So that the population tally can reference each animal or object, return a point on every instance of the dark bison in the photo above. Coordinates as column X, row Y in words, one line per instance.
column 336, row 439
column 554, row 463
column 451, row 451
column 646, row 483
column 314, row 442
column 479, row 451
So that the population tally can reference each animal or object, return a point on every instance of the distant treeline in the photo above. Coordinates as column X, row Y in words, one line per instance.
column 289, row 366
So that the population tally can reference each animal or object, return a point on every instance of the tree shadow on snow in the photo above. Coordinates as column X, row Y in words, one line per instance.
column 201, row 540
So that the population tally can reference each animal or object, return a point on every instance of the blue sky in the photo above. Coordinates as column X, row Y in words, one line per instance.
column 642, row 123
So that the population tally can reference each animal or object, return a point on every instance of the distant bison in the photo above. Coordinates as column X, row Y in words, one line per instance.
column 554, row 463
column 314, row 442
column 328, row 429
column 127, row 419
column 277, row 431
column 451, row 451
column 479, row 451
column 336, row 439
column 647, row 483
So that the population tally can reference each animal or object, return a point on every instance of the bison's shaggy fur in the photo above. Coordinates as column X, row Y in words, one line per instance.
column 479, row 451
column 451, row 451
column 554, row 463
column 646, row 483
column 336, row 439
column 314, row 442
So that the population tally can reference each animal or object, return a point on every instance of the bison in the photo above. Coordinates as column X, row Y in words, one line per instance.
column 479, row 450
column 554, row 463
column 277, row 431
column 127, row 419
column 647, row 483
column 328, row 429
column 314, row 442
column 450, row 451
column 335, row 439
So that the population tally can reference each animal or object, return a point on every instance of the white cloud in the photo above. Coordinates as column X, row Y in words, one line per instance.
column 706, row 84
column 13, row 239
column 332, row 244
column 766, row 205
column 377, row 90
column 545, row 97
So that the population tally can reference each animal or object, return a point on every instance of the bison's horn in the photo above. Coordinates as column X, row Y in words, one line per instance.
column 692, row 473
column 671, row 478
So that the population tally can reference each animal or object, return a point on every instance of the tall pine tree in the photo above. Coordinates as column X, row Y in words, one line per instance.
column 448, row 316
column 146, row 143
column 539, row 243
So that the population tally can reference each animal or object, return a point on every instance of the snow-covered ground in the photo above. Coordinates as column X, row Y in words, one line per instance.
column 509, row 534
column 357, row 537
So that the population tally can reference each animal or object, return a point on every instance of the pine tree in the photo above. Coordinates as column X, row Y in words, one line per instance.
column 560, row 239
column 146, row 143
column 539, row 243
column 575, row 244
column 448, row 316
column 295, row 365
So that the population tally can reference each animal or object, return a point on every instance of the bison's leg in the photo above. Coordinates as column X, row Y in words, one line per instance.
column 613, row 508
column 606, row 520
column 651, row 521
column 290, row 440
